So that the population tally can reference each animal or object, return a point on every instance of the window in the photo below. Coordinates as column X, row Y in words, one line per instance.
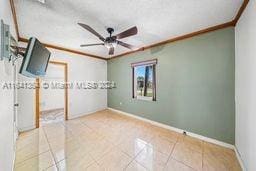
column 144, row 81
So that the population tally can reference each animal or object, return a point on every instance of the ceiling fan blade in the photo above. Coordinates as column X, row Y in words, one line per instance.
column 95, row 44
column 91, row 30
column 111, row 51
column 130, row 32
column 126, row 45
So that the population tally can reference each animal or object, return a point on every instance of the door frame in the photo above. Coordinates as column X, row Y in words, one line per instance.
column 37, row 92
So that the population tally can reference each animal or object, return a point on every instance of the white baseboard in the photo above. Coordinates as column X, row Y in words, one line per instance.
column 14, row 158
column 69, row 117
column 210, row 140
column 238, row 156
column 27, row 128
column 87, row 113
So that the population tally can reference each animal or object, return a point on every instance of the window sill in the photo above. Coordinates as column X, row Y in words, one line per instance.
column 149, row 99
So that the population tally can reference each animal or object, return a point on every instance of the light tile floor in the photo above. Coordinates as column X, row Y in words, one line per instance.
column 51, row 116
column 108, row 141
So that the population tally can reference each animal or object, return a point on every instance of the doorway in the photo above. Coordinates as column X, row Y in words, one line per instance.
column 52, row 101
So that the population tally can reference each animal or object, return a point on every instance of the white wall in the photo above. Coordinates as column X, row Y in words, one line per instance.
column 7, row 140
column 50, row 97
column 246, row 86
column 81, row 102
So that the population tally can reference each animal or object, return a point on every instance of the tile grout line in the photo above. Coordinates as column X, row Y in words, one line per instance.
column 133, row 158
column 144, row 135
column 50, row 150
column 171, row 153
column 94, row 160
column 88, row 152
column 170, row 157
column 160, row 125
column 36, row 155
column 147, row 145
column 116, row 146
column 183, row 163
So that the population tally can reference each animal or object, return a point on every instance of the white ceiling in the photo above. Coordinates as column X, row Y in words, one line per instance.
column 55, row 22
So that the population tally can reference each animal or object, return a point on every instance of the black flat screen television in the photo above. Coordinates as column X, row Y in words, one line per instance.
column 35, row 60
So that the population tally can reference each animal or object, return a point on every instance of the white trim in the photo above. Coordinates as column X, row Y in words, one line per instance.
column 87, row 113
column 69, row 117
column 14, row 158
column 144, row 98
column 238, row 156
column 210, row 140
column 27, row 128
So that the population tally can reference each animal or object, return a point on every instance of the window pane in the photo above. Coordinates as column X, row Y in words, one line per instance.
column 140, row 79
column 149, row 81
column 144, row 81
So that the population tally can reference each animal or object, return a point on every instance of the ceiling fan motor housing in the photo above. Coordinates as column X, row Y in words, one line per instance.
column 111, row 40
column 110, row 30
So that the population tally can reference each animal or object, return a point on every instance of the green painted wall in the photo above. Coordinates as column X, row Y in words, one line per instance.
column 195, row 85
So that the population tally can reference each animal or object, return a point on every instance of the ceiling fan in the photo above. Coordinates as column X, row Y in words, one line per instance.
column 112, row 41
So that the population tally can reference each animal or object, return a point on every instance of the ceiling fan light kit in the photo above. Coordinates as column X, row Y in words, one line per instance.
column 111, row 42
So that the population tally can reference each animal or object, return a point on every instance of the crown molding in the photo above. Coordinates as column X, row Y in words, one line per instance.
column 25, row 40
column 170, row 40
column 186, row 36
column 240, row 12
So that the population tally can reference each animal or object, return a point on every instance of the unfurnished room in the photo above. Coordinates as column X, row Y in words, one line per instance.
column 128, row 85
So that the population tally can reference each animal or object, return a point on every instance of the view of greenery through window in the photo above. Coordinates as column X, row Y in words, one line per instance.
column 144, row 78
